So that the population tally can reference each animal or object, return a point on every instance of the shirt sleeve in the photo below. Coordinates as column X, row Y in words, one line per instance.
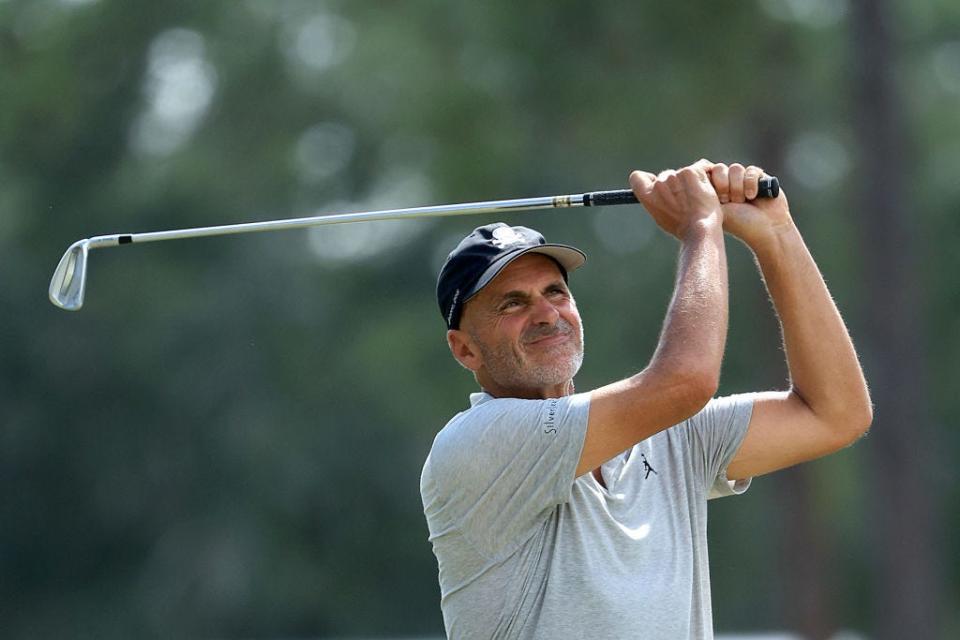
column 503, row 465
column 716, row 433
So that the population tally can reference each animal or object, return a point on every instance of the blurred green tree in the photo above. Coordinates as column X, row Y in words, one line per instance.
column 226, row 441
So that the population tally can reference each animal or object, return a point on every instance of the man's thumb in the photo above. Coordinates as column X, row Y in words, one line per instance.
column 642, row 182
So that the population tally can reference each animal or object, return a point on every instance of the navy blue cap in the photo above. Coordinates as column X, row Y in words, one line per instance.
column 486, row 252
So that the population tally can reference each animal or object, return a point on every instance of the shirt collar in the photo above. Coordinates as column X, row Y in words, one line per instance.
column 479, row 398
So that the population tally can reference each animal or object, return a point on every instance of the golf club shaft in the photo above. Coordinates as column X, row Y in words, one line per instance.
column 769, row 187
column 68, row 284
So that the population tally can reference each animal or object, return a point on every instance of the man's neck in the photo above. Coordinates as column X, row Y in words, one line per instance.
column 553, row 391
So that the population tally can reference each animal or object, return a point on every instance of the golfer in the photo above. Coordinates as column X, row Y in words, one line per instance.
column 555, row 514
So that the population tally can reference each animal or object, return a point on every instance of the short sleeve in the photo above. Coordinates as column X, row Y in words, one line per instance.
column 496, row 470
column 716, row 433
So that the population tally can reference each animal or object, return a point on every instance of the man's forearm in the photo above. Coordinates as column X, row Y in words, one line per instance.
column 823, row 365
column 695, row 328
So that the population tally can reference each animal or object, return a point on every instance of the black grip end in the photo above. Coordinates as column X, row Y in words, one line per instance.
column 606, row 198
column 769, row 187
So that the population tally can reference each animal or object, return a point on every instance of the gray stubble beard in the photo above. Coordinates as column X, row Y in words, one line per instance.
column 509, row 370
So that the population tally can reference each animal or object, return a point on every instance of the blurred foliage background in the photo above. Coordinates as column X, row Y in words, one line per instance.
column 227, row 440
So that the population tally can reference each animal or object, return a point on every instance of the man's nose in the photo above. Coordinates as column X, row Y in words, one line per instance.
column 544, row 311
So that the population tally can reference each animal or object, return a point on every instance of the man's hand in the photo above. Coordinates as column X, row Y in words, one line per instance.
column 678, row 199
column 755, row 222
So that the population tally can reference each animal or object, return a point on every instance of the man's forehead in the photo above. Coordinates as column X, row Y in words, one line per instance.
column 529, row 270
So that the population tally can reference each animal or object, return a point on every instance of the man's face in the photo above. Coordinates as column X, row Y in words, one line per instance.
column 523, row 329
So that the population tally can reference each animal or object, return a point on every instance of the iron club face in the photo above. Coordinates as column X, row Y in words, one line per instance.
column 69, row 280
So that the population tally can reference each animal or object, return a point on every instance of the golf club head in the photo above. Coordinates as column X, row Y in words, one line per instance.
column 70, row 278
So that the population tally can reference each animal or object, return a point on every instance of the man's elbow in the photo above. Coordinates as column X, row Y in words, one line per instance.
column 685, row 386
column 862, row 415
column 863, row 420
column 697, row 387
column 707, row 385
column 853, row 424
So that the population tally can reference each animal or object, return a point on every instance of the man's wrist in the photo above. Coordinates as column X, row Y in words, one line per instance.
column 702, row 227
column 779, row 240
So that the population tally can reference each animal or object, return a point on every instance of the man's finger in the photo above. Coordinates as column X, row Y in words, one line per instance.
column 642, row 182
column 704, row 164
column 692, row 175
column 720, row 177
column 751, row 181
column 736, row 182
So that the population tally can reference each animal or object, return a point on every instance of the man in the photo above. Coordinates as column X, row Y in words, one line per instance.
column 556, row 514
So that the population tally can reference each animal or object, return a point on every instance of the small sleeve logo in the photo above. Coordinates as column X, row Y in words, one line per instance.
column 550, row 423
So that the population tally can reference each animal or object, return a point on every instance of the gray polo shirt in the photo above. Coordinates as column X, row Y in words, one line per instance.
column 527, row 551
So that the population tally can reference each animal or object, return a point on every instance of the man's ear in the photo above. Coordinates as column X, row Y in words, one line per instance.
column 463, row 349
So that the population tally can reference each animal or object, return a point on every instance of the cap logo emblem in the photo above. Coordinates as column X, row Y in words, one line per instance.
column 504, row 237
column 453, row 306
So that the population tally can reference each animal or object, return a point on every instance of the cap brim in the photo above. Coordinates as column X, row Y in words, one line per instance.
column 569, row 257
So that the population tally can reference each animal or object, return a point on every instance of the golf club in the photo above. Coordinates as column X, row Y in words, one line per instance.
column 68, row 285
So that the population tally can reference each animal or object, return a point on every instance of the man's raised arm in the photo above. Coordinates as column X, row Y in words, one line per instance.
column 684, row 371
column 828, row 405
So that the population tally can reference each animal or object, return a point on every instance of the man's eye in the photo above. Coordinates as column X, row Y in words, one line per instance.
column 509, row 305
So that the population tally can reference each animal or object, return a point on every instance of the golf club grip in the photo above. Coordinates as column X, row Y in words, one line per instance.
column 769, row 187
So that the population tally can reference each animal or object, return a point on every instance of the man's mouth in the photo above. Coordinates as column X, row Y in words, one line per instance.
column 550, row 340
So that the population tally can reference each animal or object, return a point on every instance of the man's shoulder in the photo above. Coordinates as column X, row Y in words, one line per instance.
column 487, row 411
column 464, row 437
column 470, row 422
column 490, row 421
